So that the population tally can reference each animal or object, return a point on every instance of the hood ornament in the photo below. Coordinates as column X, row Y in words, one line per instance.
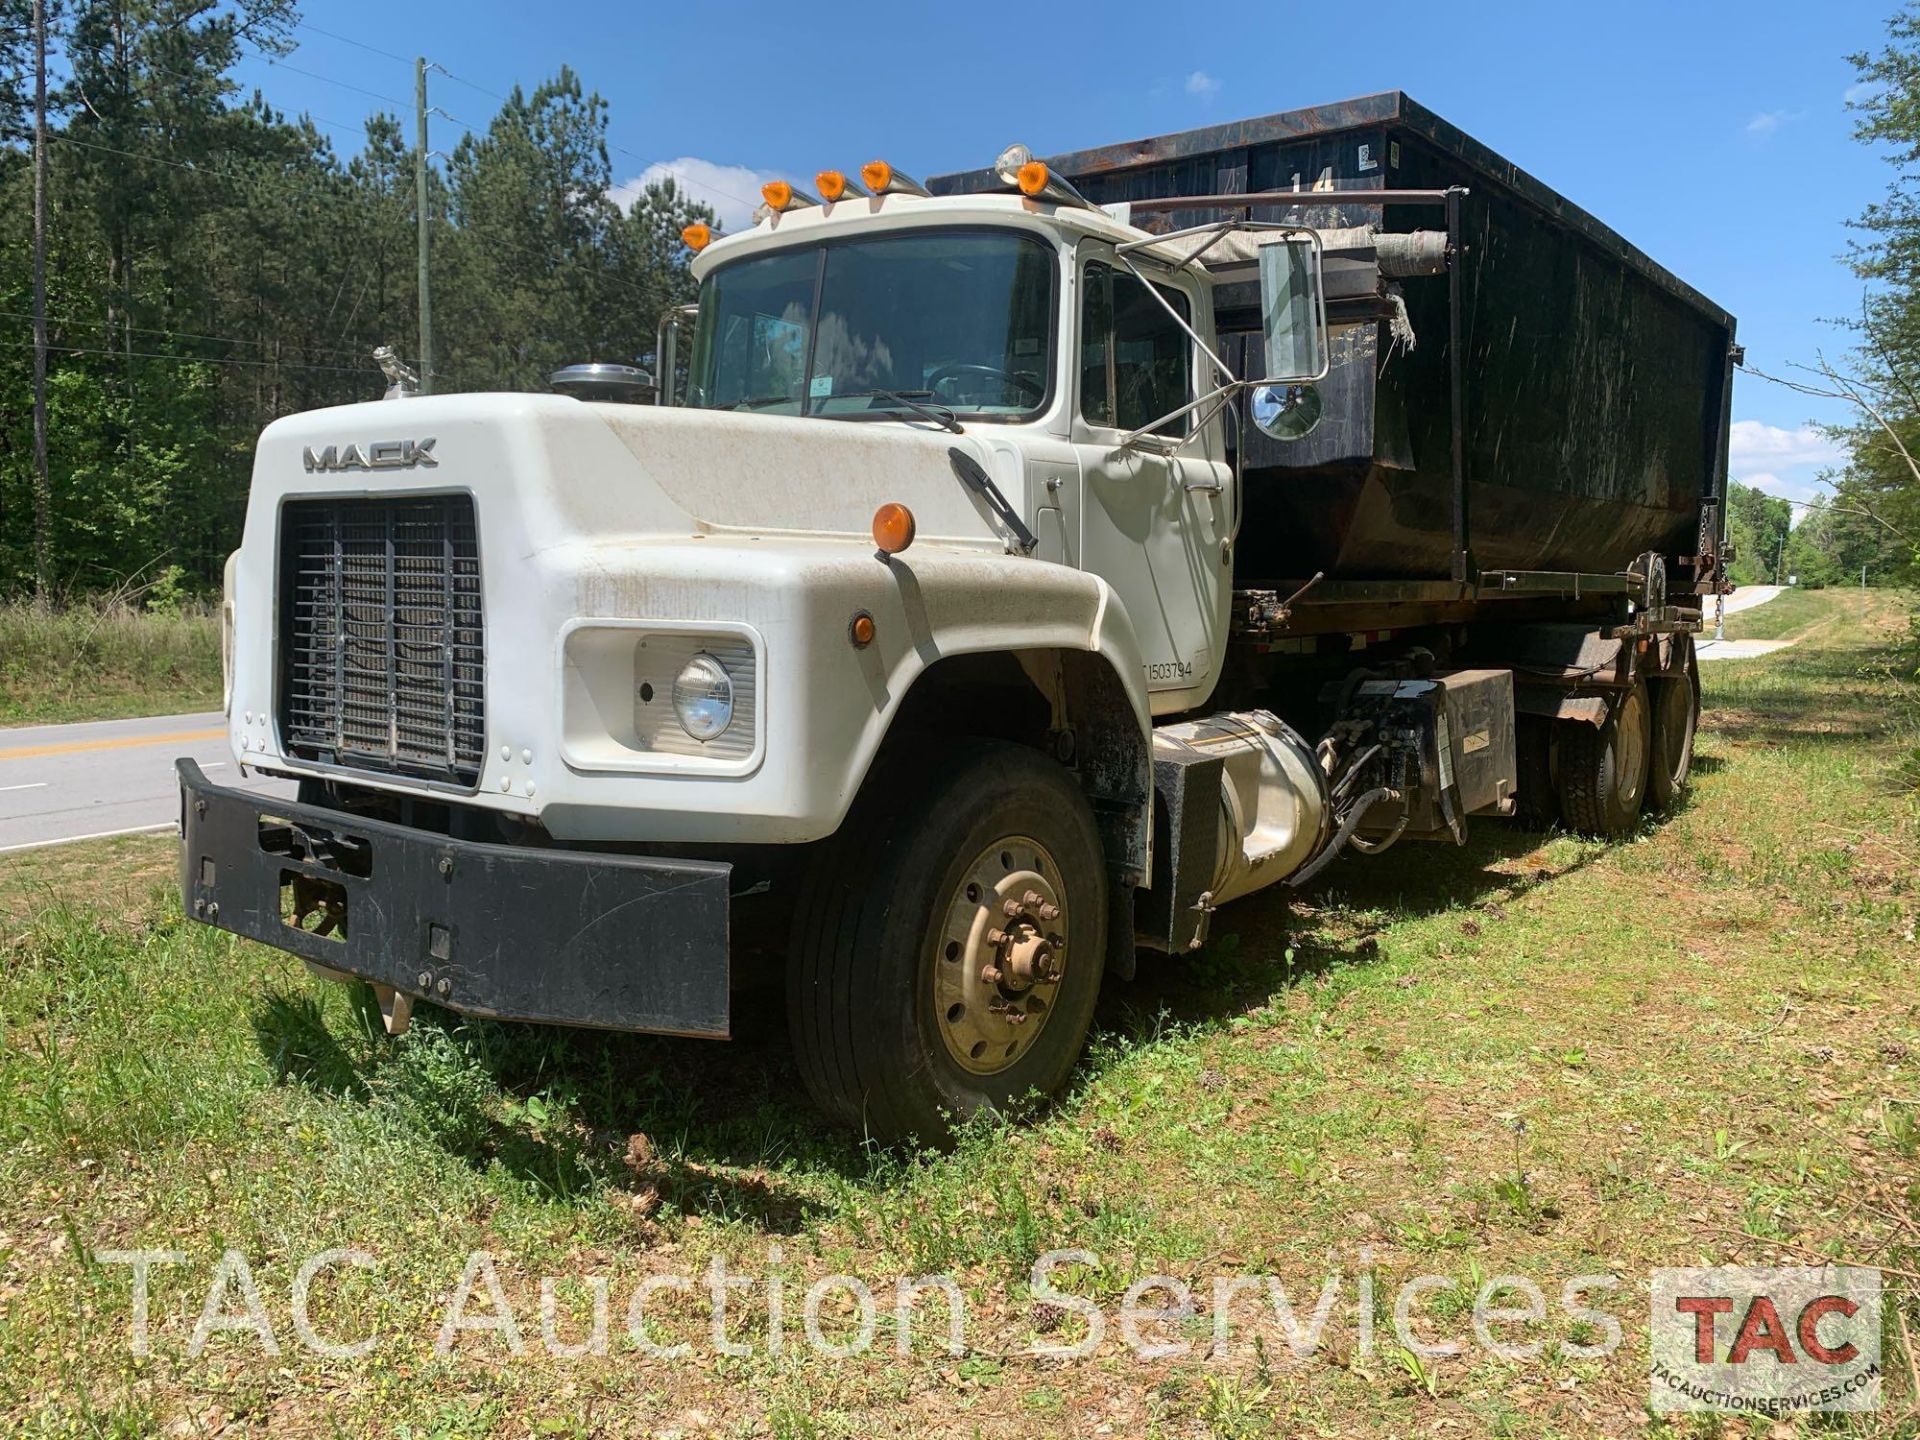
column 402, row 383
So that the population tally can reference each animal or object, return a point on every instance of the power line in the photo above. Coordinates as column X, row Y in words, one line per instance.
column 357, row 44
column 646, row 161
column 90, row 324
column 524, row 251
column 504, row 99
column 462, row 80
column 329, row 80
column 192, row 169
column 192, row 359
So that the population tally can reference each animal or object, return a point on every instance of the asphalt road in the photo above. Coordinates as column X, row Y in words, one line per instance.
column 110, row 777
column 1745, row 598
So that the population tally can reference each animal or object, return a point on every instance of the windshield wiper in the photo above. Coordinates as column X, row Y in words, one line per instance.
column 914, row 400
column 973, row 475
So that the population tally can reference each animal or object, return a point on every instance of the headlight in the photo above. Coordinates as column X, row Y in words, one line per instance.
column 703, row 698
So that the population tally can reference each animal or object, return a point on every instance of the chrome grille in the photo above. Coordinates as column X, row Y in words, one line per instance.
column 382, row 642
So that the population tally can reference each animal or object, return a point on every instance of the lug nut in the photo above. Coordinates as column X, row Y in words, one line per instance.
column 1011, row 908
column 990, row 974
column 443, row 986
column 1033, row 897
column 1048, row 912
column 426, row 979
column 998, row 937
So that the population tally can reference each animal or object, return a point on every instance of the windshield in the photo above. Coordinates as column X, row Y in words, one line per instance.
column 959, row 319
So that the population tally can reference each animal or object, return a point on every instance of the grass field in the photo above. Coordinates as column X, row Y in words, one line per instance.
column 1787, row 614
column 1533, row 1056
column 105, row 661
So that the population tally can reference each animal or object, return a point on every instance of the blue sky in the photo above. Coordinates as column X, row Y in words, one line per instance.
column 1712, row 134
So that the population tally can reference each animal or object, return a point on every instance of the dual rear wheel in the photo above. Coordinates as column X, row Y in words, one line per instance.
column 1641, row 757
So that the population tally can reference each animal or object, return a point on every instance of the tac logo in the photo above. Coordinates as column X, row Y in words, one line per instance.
column 1766, row 1342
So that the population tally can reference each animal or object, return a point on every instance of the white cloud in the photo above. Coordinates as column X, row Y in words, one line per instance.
column 1754, row 442
column 1202, row 85
column 1779, row 461
column 1768, row 122
column 732, row 190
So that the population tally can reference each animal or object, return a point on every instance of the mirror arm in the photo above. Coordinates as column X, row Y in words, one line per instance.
column 1191, row 334
column 1222, row 393
column 1215, row 230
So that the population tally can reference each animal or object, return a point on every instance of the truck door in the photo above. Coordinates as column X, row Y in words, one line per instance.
column 1156, row 520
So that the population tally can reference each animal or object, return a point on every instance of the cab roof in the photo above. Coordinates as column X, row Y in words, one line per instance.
column 880, row 214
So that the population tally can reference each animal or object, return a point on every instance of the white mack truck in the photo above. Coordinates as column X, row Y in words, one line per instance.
column 1001, row 582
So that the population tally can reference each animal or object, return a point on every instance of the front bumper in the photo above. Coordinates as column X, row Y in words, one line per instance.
column 558, row 936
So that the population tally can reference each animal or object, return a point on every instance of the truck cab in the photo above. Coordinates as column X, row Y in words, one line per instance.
column 904, row 630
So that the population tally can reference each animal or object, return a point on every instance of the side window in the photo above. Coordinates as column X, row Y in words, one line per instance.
column 1134, row 360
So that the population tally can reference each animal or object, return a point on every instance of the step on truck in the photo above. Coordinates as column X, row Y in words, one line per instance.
column 994, row 577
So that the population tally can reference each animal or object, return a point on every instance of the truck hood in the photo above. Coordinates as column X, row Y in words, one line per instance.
column 580, row 469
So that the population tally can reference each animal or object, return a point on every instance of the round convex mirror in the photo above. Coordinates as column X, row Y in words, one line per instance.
column 1285, row 412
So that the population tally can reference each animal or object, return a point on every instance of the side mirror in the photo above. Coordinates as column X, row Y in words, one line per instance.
column 1285, row 412
column 1293, row 311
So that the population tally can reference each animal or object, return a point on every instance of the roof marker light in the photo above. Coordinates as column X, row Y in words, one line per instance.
column 697, row 237
column 883, row 179
column 1018, row 170
column 780, row 195
column 833, row 185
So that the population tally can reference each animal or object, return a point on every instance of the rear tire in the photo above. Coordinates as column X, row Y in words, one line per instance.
column 1603, row 770
column 1535, row 806
column 898, row 1031
column 1676, row 716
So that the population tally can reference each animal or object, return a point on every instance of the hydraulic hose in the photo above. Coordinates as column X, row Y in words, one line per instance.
column 1345, row 833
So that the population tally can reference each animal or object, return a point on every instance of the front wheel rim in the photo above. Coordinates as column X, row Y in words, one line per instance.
column 1000, row 954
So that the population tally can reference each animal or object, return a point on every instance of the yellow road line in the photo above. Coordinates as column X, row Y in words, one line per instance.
column 75, row 747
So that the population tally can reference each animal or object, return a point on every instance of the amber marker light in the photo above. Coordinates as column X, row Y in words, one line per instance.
column 861, row 630
column 883, row 179
column 780, row 195
column 834, row 185
column 892, row 528
column 1032, row 177
column 697, row 237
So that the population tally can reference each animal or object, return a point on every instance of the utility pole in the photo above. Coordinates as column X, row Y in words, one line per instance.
column 420, row 207
column 42, row 485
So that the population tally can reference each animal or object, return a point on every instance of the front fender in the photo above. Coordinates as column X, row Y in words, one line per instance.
column 951, row 607
column 829, row 704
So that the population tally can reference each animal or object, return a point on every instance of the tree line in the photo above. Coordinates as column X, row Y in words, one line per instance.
column 213, row 263
column 1872, row 519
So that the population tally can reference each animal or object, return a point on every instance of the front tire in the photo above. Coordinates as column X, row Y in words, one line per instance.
column 948, row 949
